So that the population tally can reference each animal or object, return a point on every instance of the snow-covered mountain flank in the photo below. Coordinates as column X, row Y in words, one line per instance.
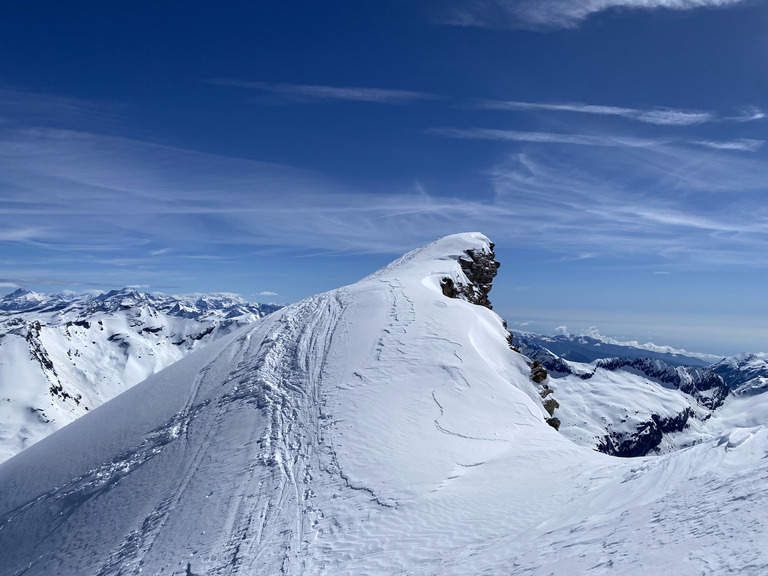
column 628, row 401
column 63, row 355
column 387, row 427
column 745, row 373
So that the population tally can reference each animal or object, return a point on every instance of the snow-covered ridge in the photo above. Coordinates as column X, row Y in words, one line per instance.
column 62, row 355
column 380, row 428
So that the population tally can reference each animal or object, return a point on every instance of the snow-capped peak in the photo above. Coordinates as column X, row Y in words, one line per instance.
column 21, row 299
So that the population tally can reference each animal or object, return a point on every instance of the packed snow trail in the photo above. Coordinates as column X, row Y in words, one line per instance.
column 381, row 428
column 242, row 434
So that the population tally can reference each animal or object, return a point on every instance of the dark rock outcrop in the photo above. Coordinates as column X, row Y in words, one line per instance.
column 449, row 288
column 480, row 268
column 538, row 372
column 745, row 374
column 36, row 348
column 646, row 438
column 554, row 422
column 511, row 342
column 550, row 405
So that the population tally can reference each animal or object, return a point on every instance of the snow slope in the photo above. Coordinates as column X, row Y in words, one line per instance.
column 381, row 428
column 61, row 356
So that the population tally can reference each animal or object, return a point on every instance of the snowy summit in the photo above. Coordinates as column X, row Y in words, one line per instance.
column 386, row 427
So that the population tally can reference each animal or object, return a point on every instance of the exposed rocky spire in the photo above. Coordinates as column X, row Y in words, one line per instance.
column 480, row 268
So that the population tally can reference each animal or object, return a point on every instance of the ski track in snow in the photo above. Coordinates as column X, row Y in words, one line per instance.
column 268, row 512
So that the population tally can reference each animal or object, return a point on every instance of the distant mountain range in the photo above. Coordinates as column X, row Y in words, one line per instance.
column 585, row 348
column 62, row 355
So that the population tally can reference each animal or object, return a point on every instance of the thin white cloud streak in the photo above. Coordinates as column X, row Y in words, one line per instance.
column 544, row 137
column 741, row 144
column 48, row 278
column 554, row 14
column 593, row 332
column 92, row 190
column 690, row 206
column 23, row 234
column 748, row 114
column 501, row 135
column 348, row 93
column 663, row 117
column 32, row 109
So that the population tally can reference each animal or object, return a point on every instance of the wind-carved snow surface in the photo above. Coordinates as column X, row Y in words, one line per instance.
column 381, row 428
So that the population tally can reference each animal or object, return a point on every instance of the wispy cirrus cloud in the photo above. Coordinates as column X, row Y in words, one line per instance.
column 661, row 116
column 689, row 206
column 553, row 14
column 605, row 140
column 83, row 201
column 22, row 234
column 740, row 144
column 315, row 92
column 748, row 114
column 132, row 196
column 33, row 109
column 95, row 193
column 502, row 135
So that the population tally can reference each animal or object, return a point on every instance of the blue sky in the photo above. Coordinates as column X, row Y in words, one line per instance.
column 613, row 149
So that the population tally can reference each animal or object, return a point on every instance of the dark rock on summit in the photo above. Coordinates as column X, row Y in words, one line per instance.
column 480, row 268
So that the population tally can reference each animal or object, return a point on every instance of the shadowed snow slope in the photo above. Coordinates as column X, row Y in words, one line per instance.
column 381, row 428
